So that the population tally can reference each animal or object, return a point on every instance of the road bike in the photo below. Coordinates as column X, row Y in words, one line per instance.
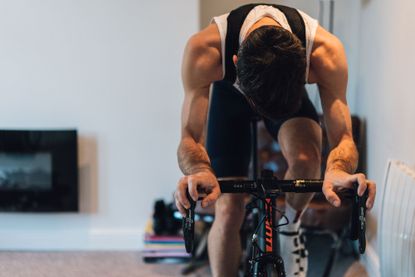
column 264, row 259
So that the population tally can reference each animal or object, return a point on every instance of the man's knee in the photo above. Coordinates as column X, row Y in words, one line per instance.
column 230, row 212
column 300, row 140
column 305, row 161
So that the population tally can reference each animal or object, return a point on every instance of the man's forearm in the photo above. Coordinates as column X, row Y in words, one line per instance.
column 192, row 157
column 343, row 157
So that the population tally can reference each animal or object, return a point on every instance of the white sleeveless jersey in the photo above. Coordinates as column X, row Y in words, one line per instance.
column 260, row 12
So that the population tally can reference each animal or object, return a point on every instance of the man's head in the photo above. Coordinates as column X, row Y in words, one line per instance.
column 271, row 66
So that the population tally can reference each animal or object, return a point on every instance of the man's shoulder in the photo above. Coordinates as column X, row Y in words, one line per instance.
column 206, row 41
column 203, row 52
column 327, row 56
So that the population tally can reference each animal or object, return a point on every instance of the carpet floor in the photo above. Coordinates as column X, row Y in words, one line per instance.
column 83, row 264
column 130, row 264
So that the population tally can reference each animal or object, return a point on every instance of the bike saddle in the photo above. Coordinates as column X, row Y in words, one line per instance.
column 358, row 219
column 188, row 225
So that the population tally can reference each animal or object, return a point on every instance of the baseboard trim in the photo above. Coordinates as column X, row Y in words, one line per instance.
column 94, row 239
column 371, row 261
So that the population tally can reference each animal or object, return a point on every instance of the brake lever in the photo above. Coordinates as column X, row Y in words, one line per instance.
column 358, row 220
column 188, row 225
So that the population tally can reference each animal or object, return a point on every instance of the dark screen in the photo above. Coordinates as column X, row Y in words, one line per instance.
column 25, row 171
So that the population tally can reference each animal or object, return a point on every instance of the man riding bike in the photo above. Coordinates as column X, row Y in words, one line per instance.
column 258, row 58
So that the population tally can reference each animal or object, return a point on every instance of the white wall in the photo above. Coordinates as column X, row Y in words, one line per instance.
column 386, row 94
column 111, row 69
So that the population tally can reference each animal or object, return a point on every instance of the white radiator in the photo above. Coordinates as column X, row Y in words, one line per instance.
column 397, row 222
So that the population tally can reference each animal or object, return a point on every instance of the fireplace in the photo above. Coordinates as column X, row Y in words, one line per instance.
column 38, row 171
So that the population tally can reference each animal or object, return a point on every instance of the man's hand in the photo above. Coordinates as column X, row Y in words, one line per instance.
column 203, row 182
column 337, row 178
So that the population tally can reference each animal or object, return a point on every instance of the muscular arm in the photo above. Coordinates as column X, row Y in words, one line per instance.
column 201, row 66
column 191, row 154
column 330, row 66
column 343, row 155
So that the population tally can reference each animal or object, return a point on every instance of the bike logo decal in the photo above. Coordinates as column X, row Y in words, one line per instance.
column 268, row 229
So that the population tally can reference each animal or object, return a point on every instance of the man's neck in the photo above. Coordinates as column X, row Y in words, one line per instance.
column 263, row 22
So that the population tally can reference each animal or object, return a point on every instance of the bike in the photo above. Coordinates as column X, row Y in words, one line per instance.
column 264, row 259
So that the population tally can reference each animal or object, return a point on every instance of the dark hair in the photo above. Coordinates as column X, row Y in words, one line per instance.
column 271, row 71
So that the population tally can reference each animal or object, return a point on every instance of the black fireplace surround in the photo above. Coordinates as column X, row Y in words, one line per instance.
column 38, row 171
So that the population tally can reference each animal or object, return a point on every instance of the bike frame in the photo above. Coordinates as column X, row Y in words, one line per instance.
column 268, row 235
column 269, row 239
column 266, row 259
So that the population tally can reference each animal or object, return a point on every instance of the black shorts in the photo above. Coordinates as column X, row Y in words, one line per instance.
column 229, row 135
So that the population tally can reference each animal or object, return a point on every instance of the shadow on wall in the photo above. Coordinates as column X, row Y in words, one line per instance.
column 88, row 174
column 210, row 8
column 364, row 3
